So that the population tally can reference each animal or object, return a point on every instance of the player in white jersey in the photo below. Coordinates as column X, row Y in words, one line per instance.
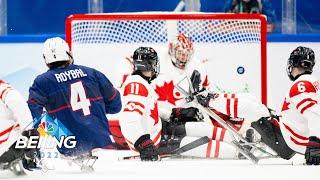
column 299, row 120
column 15, row 117
column 180, row 63
column 140, row 122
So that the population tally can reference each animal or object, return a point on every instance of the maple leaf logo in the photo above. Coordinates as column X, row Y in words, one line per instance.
column 285, row 105
column 166, row 93
column 154, row 114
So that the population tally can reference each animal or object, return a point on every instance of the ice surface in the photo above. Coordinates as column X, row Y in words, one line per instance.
column 108, row 167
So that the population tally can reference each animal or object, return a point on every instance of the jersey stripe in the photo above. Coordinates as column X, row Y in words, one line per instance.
column 5, row 92
column 67, row 105
column 235, row 108
column 6, row 131
column 209, row 146
column 133, row 106
column 156, row 140
column 227, row 104
column 294, row 133
column 114, row 95
column 216, row 151
column 223, row 132
column 307, row 106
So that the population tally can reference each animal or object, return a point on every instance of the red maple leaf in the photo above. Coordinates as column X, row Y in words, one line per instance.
column 154, row 114
column 165, row 93
column 285, row 105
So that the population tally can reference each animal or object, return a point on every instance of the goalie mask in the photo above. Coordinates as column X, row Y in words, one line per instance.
column 181, row 51
column 301, row 57
column 146, row 59
column 55, row 50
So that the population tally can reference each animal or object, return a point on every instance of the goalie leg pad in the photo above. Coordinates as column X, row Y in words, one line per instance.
column 272, row 137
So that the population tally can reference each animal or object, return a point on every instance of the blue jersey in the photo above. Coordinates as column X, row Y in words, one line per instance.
column 79, row 98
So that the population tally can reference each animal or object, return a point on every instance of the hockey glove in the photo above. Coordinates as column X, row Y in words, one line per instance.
column 205, row 99
column 31, row 155
column 146, row 148
column 195, row 81
column 30, row 163
column 183, row 115
column 312, row 154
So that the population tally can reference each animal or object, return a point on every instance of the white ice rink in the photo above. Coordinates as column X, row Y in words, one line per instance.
column 108, row 167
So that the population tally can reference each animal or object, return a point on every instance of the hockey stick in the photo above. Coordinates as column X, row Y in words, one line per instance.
column 194, row 144
column 190, row 97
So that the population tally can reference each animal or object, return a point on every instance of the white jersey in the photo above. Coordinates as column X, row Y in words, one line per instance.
column 241, row 105
column 300, row 113
column 139, row 115
column 14, row 115
column 169, row 77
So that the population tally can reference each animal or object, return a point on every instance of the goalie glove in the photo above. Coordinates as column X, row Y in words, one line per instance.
column 312, row 154
column 183, row 115
column 204, row 99
column 195, row 81
column 146, row 148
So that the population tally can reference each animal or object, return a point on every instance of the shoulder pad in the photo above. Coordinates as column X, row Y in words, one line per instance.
column 135, row 88
column 300, row 87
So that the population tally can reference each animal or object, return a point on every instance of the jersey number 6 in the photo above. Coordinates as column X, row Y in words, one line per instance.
column 301, row 87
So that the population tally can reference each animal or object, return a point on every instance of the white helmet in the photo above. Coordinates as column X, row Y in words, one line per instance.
column 56, row 49
column 181, row 50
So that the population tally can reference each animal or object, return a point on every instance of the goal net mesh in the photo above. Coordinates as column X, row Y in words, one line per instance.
column 234, row 46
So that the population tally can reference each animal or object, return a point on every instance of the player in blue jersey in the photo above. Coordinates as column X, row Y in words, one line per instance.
column 76, row 97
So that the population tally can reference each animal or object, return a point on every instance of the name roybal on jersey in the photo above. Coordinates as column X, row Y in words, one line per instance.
column 69, row 75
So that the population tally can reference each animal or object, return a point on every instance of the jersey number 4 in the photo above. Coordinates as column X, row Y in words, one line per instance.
column 78, row 98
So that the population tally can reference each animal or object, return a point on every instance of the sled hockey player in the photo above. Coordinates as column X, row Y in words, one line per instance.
column 297, row 129
column 77, row 97
column 140, row 122
column 15, row 118
column 239, row 109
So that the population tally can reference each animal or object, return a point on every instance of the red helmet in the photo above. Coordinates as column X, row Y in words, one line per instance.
column 181, row 50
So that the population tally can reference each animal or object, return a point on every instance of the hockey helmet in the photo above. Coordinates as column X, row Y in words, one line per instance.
column 56, row 49
column 301, row 57
column 146, row 59
column 181, row 50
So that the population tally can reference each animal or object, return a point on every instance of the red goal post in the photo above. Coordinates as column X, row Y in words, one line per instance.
column 234, row 44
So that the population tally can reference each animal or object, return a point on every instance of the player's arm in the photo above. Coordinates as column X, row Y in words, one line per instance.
column 36, row 101
column 133, row 119
column 111, row 95
column 16, row 103
column 133, row 115
column 303, row 96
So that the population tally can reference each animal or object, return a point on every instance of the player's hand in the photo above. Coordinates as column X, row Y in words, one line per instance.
column 31, row 155
column 312, row 154
column 30, row 164
column 195, row 80
column 146, row 148
column 182, row 115
column 205, row 98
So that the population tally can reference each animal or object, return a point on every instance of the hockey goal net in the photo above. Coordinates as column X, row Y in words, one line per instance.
column 233, row 46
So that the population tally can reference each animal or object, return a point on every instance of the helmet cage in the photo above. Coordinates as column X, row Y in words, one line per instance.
column 181, row 51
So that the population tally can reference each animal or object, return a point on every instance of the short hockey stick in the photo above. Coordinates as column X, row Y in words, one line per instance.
column 194, row 144
column 190, row 97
